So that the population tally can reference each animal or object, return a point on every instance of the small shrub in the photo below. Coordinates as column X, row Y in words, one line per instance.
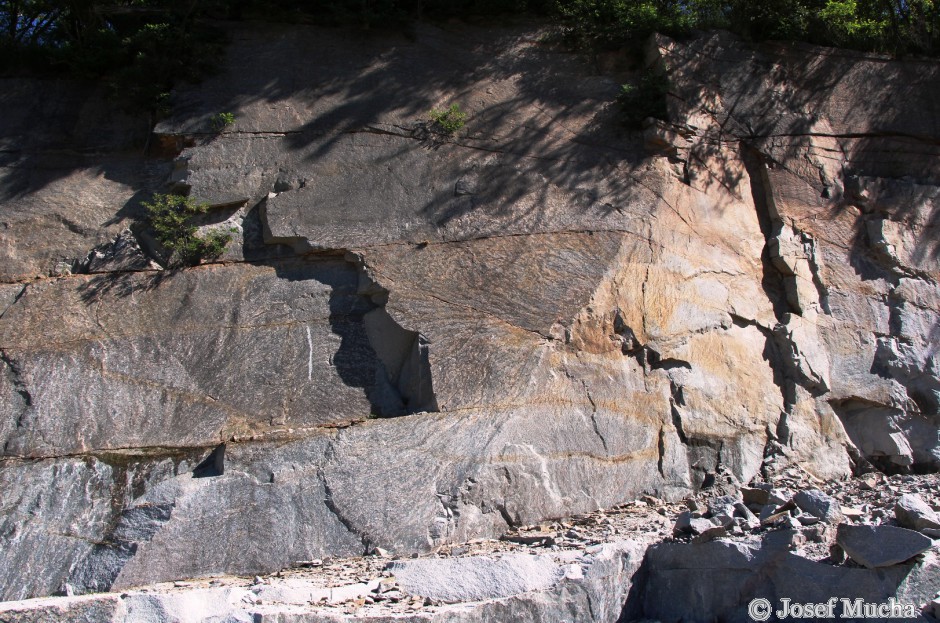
column 222, row 121
column 171, row 218
column 646, row 98
column 450, row 120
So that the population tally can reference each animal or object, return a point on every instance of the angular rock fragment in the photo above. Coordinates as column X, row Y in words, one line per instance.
column 123, row 254
column 758, row 496
column 881, row 546
column 819, row 505
column 912, row 512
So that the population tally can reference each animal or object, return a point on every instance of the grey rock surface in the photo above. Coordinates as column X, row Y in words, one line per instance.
column 70, row 170
column 123, row 254
column 597, row 596
column 881, row 546
column 717, row 580
column 476, row 579
column 818, row 504
column 563, row 321
column 193, row 358
column 912, row 512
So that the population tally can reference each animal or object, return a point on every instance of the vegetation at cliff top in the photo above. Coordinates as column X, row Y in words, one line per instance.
column 143, row 47
column 140, row 48
column 890, row 26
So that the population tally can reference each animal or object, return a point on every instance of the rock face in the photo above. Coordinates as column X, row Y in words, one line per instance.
column 564, row 320
column 717, row 580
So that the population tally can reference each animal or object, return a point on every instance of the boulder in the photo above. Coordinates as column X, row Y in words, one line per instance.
column 819, row 505
column 717, row 580
column 912, row 512
column 881, row 546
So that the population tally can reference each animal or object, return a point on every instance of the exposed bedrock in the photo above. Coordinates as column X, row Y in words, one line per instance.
column 200, row 357
column 419, row 338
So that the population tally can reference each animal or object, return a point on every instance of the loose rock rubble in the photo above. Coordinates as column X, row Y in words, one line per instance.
column 814, row 510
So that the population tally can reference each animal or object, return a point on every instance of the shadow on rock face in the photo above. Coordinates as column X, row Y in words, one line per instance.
column 375, row 353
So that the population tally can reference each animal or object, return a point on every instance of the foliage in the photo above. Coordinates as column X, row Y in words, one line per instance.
column 612, row 23
column 222, row 120
column 140, row 48
column 646, row 98
column 449, row 120
column 172, row 219
column 891, row 26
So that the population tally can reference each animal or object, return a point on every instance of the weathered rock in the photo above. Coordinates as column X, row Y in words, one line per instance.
column 683, row 523
column 912, row 512
column 819, row 505
column 718, row 580
column 598, row 596
column 566, row 322
column 456, row 580
column 123, row 254
column 68, row 178
column 757, row 496
column 710, row 534
column 177, row 359
column 724, row 504
column 854, row 319
column 881, row 546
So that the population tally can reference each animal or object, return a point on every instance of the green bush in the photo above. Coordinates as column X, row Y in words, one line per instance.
column 171, row 217
column 450, row 120
column 646, row 98
column 222, row 121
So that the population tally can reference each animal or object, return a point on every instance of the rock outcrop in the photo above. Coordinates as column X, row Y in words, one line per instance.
column 579, row 569
column 421, row 338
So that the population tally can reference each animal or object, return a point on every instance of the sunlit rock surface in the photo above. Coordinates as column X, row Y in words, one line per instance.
column 561, row 318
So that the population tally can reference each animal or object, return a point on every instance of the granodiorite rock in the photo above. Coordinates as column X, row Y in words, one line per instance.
column 476, row 578
column 720, row 578
column 912, row 512
column 191, row 359
column 565, row 321
column 881, row 546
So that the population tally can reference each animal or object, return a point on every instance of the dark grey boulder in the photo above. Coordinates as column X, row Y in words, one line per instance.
column 912, row 512
column 881, row 546
column 819, row 505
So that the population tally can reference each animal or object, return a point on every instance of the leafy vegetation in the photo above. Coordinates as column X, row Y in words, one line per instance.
column 140, row 48
column 890, row 26
column 171, row 217
column 449, row 120
column 222, row 120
